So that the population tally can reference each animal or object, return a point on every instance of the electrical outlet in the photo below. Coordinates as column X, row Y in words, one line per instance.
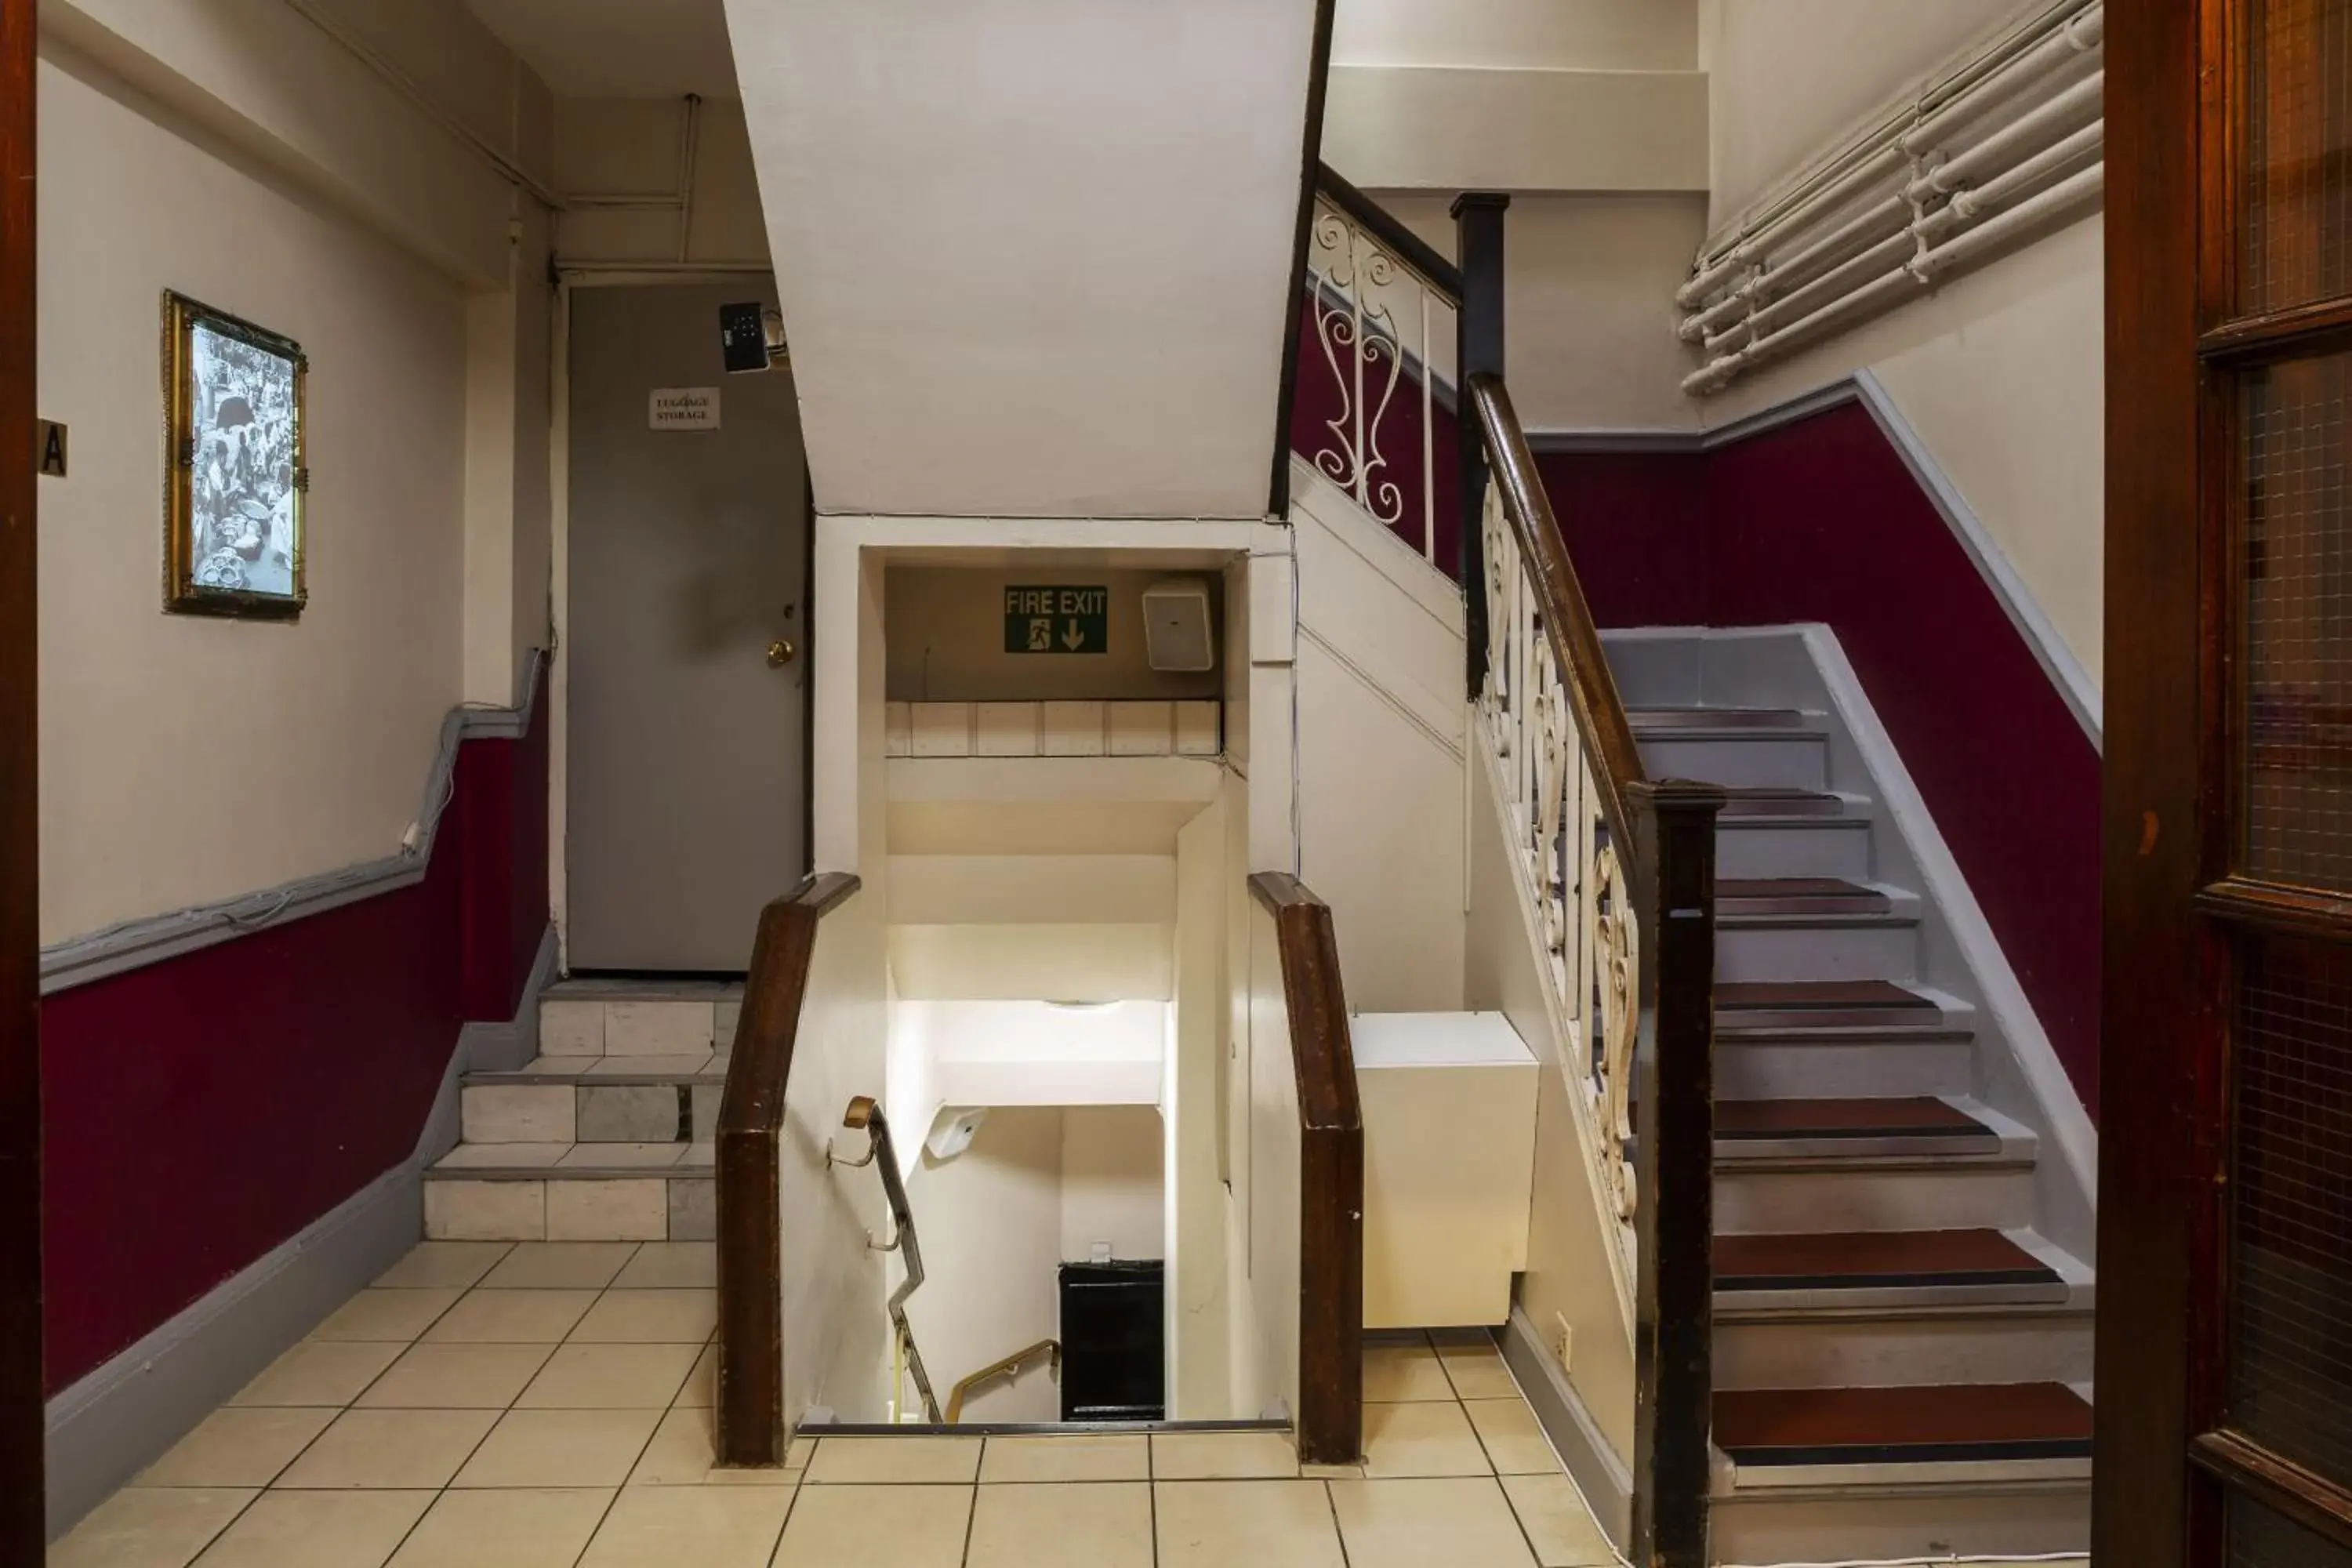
column 1564, row 1339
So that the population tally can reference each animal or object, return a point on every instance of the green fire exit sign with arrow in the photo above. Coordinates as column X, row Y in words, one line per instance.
column 1057, row 619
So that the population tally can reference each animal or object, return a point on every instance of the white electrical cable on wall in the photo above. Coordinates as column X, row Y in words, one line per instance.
column 2006, row 141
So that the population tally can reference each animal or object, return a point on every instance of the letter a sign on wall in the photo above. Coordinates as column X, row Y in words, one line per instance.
column 1057, row 619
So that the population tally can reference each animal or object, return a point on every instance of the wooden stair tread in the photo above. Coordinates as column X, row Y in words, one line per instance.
column 1770, row 996
column 1772, row 800
column 1922, row 1117
column 1875, row 1260
column 1919, row 1425
column 1788, row 888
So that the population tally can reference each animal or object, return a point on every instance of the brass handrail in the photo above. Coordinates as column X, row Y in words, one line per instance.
column 1000, row 1368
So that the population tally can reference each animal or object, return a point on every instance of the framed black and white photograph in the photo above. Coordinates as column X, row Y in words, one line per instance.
column 233, row 512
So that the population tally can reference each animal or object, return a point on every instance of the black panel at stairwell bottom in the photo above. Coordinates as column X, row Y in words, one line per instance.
column 1113, row 1345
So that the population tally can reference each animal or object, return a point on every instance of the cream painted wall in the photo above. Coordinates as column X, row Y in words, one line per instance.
column 991, row 1223
column 186, row 759
column 948, row 644
column 1788, row 75
column 284, row 92
column 1200, row 1380
column 1113, row 1182
column 510, row 335
column 1589, row 284
column 1529, row 95
column 606, row 147
column 1572, row 1274
column 2001, row 371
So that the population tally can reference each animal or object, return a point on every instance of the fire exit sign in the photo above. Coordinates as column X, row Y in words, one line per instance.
column 1057, row 619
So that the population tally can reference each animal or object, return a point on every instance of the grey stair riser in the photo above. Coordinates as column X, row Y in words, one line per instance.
column 1951, row 1195
column 552, row 1206
column 1829, row 1352
column 1648, row 722
column 1866, row 1070
column 1763, row 852
column 1989, row 1520
column 590, row 1112
column 1855, row 950
column 1780, row 762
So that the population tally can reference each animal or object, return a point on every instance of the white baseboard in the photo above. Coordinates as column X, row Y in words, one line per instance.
column 123, row 1416
column 1597, row 1469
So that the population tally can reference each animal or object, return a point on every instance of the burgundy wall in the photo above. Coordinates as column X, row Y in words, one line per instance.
column 199, row 1111
column 1821, row 520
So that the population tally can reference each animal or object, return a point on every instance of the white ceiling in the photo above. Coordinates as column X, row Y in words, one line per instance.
column 1034, row 256
column 618, row 48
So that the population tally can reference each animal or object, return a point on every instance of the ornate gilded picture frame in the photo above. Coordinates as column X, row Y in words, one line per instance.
column 235, row 476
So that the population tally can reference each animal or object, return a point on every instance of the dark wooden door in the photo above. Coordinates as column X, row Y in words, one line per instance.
column 2224, row 1371
column 20, row 1041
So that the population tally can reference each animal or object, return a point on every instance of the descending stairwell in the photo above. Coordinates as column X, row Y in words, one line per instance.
column 1901, row 1359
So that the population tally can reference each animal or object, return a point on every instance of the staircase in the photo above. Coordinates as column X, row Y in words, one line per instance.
column 1902, row 1361
column 605, row 1135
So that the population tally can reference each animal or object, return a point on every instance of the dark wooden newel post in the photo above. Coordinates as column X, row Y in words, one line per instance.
column 1674, row 1078
column 1478, row 350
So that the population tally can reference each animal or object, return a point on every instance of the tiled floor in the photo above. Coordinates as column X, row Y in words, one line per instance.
column 547, row 1405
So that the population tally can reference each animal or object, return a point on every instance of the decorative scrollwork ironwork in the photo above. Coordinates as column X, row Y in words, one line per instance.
column 1613, row 995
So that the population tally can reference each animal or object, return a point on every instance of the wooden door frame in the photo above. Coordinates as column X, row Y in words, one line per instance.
column 2156, row 1016
column 22, row 1522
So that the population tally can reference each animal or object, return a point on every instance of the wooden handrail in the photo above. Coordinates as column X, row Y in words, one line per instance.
column 1395, row 238
column 1566, row 619
column 998, row 1368
column 749, row 1165
column 1330, row 1175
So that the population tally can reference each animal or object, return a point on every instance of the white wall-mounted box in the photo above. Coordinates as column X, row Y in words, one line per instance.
column 1449, row 1107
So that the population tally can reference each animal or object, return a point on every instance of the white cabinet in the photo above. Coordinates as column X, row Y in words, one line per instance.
column 1449, row 1105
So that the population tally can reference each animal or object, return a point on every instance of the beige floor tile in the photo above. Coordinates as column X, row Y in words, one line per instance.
column 560, row 1265
column 1110, row 1457
column 875, row 1527
column 1066, row 1526
column 610, row 1377
column 1462, row 1523
column 900, row 1460
column 143, row 1527
column 702, row 1383
column 650, row 1316
column 1421, row 1440
column 457, row 1265
column 1477, row 1371
column 684, row 1450
column 1246, row 1524
column 560, row 1448
column 709, row 1527
column 319, row 1372
column 1554, row 1514
column 1515, row 1443
column 389, row 1450
column 671, row 1266
column 505, row 1529
column 319, row 1530
column 629, row 1209
column 458, row 1377
column 1395, row 1374
column 487, row 1316
column 1331, row 1472
column 238, row 1446
column 1222, row 1456
column 387, row 1316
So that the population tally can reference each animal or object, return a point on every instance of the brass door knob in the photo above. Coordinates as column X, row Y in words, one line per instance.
column 780, row 653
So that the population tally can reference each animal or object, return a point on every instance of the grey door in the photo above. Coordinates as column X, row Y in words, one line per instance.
column 687, row 556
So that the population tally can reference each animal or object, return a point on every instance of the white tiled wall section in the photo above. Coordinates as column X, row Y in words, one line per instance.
column 1153, row 729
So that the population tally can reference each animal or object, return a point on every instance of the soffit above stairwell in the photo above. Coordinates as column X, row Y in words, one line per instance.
column 1033, row 254
column 618, row 48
